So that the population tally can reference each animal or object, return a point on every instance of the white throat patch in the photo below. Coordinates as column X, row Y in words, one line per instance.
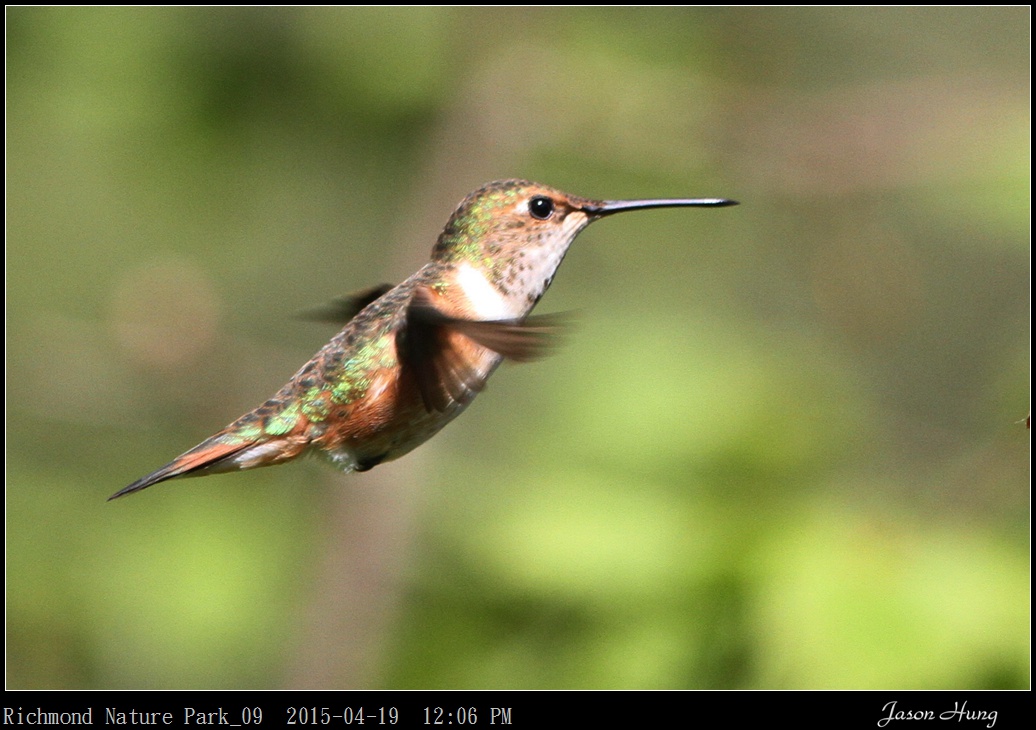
column 486, row 300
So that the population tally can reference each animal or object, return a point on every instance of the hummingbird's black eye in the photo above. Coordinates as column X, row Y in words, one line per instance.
column 541, row 207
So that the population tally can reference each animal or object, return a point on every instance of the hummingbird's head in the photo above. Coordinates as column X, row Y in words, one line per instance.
column 517, row 232
column 502, row 218
column 518, row 213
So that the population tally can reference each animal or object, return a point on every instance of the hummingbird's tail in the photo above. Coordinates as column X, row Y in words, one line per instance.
column 221, row 453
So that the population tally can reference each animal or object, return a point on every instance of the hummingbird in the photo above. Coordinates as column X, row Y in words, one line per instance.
column 411, row 357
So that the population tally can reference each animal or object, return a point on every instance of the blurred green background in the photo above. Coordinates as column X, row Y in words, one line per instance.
column 782, row 448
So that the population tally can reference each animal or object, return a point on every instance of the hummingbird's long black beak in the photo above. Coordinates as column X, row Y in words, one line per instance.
column 606, row 207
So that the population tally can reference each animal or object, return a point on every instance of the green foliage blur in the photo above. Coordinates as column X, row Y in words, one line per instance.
column 783, row 446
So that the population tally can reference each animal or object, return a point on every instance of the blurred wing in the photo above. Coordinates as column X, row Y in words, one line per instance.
column 340, row 311
column 443, row 373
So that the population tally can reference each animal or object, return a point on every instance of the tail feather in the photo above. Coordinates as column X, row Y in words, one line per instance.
column 208, row 457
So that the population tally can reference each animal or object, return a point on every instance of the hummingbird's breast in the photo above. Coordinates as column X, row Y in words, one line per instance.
column 358, row 398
